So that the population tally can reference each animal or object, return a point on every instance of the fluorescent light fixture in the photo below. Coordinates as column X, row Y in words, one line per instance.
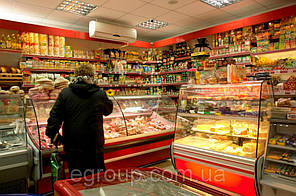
column 220, row 3
column 76, row 7
column 152, row 24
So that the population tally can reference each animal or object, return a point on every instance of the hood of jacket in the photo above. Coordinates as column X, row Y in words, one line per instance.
column 83, row 89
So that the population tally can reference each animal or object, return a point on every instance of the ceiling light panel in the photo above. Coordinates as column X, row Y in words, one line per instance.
column 152, row 24
column 220, row 3
column 76, row 7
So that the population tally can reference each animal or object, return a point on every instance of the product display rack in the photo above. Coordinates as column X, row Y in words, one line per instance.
column 59, row 58
column 273, row 51
column 279, row 165
column 138, row 132
column 222, row 128
column 231, row 55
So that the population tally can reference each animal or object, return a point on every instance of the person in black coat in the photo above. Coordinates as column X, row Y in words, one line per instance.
column 79, row 108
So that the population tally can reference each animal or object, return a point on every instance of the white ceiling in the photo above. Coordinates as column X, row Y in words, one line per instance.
column 185, row 16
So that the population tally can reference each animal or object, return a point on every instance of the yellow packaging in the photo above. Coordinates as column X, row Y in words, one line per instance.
column 56, row 41
column 56, row 51
column 36, row 38
column 44, row 50
column 36, row 49
column 62, row 51
column 32, row 49
column 50, row 51
column 31, row 38
column 62, row 42
column 51, row 40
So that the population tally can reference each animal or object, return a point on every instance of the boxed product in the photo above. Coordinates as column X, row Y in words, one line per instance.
column 43, row 41
column 56, row 49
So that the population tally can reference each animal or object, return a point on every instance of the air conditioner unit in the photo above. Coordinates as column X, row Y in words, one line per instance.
column 106, row 31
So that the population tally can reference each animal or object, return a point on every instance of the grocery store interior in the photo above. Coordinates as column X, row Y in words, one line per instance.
column 203, row 93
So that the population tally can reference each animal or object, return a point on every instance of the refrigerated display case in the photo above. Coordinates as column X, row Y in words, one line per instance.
column 15, row 154
column 138, row 132
column 140, row 181
column 220, row 132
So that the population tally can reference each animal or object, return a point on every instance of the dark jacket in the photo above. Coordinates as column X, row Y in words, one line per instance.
column 80, row 108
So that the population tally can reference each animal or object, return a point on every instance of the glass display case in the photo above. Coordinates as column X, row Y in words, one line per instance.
column 140, row 181
column 231, row 119
column 15, row 154
column 12, row 134
column 225, row 125
column 131, row 116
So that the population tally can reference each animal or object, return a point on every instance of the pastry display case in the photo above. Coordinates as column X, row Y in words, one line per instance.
column 15, row 154
column 138, row 132
column 222, row 129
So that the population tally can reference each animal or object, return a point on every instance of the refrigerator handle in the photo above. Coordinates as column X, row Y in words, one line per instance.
column 258, row 174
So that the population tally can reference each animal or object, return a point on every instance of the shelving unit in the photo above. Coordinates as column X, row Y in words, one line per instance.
column 60, row 58
column 10, row 51
column 221, row 117
column 274, row 51
column 281, row 162
column 230, row 55
column 281, row 147
column 48, row 70
column 183, row 58
column 140, row 85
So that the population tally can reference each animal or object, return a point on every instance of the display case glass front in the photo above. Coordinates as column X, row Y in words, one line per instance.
column 230, row 119
column 12, row 134
column 144, row 115
column 132, row 116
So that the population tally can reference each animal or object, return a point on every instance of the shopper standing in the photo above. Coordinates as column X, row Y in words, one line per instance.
column 80, row 109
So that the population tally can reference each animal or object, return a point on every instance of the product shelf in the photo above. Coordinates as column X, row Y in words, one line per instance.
column 228, row 134
column 282, row 162
column 283, row 121
column 48, row 70
column 285, row 93
column 274, row 71
column 60, row 58
column 282, row 147
column 141, row 85
column 274, row 51
column 231, row 55
column 221, row 117
column 183, row 58
column 10, row 51
column 152, row 62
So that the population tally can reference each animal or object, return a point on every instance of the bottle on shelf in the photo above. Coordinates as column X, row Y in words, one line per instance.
column 3, row 41
column 8, row 42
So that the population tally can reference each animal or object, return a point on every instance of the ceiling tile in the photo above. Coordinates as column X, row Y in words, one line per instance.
column 43, row 3
column 174, row 18
column 276, row 3
column 196, row 8
column 132, row 20
column 150, row 11
column 6, row 6
column 31, row 10
column 216, row 16
column 125, row 6
column 244, row 8
column 61, row 16
column 165, row 4
column 106, row 13
column 83, row 21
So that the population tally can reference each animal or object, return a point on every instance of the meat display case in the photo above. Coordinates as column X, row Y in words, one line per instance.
column 221, row 130
column 138, row 132
column 140, row 181
column 15, row 153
